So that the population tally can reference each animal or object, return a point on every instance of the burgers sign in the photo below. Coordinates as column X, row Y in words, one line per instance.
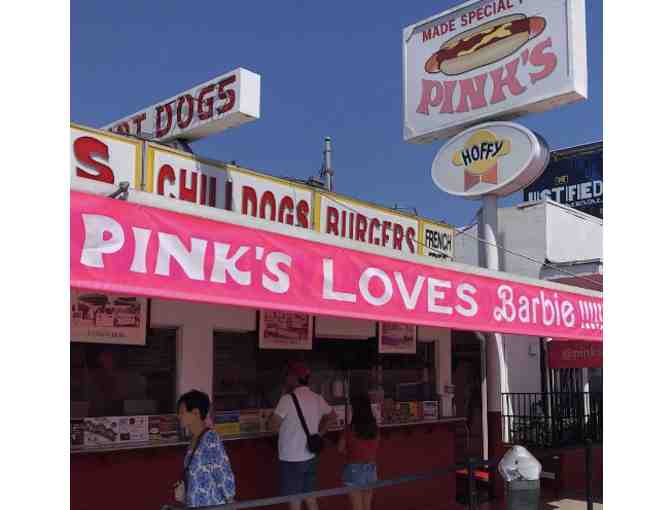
column 491, row 59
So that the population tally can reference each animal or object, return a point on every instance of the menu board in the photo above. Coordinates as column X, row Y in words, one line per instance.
column 396, row 338
column 99, row 317
column 101, row 431
column 285, row 330
column 133, row 428
column 163, row 428
column 76, row 433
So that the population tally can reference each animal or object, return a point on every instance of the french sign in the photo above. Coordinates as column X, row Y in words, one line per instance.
column 226, row 101
column 126, row 247
column 491, row 59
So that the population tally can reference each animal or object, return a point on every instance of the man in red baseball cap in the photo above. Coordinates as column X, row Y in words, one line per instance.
column 298, row 466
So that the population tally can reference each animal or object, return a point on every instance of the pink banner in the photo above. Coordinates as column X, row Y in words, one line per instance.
column 123, row 247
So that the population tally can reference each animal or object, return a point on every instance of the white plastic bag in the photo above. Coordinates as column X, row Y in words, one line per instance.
column 519, row 464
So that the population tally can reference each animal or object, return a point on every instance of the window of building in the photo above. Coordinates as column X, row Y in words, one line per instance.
column 124, row 380
column 246, row 377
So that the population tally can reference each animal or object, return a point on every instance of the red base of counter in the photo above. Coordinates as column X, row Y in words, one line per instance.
column 143, row 479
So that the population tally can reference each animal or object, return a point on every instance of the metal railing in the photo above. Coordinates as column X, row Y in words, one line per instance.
column 472, row 499
column 548, row 420
column 471, row 465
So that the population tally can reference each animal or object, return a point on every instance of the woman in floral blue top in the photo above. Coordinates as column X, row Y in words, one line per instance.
column 208, row 479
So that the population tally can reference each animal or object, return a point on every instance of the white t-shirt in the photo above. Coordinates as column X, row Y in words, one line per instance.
column 292, row 440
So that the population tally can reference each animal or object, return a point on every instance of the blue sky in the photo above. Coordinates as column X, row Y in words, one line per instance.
column 327, row 68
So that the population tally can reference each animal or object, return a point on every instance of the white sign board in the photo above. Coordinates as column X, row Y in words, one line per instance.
column 495, row 158
column 97, row 317
column 491, row 59
column 104, row 157
column 224, row 102
column 375, row 226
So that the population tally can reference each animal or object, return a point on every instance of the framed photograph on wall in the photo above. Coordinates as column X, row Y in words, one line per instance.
column 285, row 330
column 104, row 318
column 394, row 338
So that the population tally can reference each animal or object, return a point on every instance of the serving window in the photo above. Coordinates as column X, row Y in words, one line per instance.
column 249, row 378
column 124, row 380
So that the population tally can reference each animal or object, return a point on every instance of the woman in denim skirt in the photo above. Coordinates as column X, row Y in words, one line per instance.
column 359, row 442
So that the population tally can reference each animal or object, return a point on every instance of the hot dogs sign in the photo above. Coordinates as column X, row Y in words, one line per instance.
column 491, row 59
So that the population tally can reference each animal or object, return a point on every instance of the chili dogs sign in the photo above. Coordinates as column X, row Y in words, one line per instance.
column 495, row 158
column 489, row 59
column 227, row 101
column 126, row 247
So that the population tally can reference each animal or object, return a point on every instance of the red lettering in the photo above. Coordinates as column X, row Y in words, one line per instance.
column 538, row 58
column 249, row 205
column 360, row 230
column 352, row 226
column 344, row 216
column 183, row 123
column 206, row 113
column 432, row 95
column 188, row 193
column 86, row 148
column 479, row 13
column 397, row 236
column 472, row 90
column 303, row 213
column 511, row 81
column 385, row 236
column 487, row 10
column 267, row 201
column 166, row 173
column 332, row 221
column 374, row 225
column 286, row 206
column 426, row 35
column 410, row 239
column 138, row 120
column 160, row 132
column 448, row 89
column 226, row 95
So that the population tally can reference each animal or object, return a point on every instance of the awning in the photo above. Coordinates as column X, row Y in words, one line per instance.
column 160, row 247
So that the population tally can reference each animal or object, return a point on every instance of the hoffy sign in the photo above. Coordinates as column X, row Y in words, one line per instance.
column 495, row 158
column 489, row 59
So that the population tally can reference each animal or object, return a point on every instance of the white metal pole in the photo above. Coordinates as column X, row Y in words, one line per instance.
column 496, row 364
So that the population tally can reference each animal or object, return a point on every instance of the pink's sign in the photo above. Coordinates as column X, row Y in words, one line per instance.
column 135, row 249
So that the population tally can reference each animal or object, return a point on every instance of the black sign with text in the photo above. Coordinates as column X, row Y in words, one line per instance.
column 574, row 178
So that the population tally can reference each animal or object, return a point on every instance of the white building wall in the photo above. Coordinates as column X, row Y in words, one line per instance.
column 541, row 231
column 196, row 323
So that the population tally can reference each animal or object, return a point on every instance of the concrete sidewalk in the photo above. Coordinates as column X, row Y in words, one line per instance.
column 568, row 502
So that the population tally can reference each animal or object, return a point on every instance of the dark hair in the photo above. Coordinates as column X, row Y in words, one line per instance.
column 363, row 422
column 195, row 399
column 303, row 381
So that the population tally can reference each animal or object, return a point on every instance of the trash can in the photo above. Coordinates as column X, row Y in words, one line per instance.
column 521, row 471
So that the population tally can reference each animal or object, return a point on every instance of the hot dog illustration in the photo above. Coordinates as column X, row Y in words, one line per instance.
column 485, row 44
